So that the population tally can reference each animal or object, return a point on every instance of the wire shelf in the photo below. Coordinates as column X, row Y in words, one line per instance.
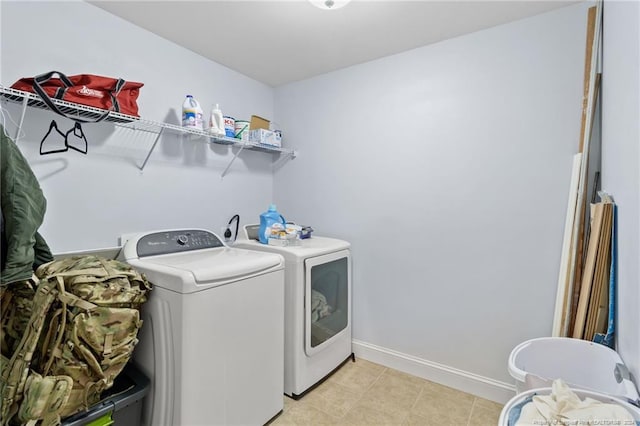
column 80, row 111
column 155, row 127
column 137, row 124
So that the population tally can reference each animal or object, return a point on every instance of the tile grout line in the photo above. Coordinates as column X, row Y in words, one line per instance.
column 360, row 395
column 471, row 411
column 346, row 413
column 415, row 402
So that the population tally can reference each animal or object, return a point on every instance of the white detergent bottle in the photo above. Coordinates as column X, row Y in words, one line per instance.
column 216, row 122
column 191, row 113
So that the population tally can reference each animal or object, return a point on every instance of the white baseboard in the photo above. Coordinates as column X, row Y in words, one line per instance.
column 474, row 384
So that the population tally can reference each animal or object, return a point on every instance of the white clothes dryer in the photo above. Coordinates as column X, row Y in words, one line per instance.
column 317, row 309
column 212, row 339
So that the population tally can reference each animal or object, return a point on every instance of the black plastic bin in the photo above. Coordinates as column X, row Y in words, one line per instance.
column 123, row 400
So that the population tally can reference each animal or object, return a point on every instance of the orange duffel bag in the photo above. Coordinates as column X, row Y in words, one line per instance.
column 107, row 93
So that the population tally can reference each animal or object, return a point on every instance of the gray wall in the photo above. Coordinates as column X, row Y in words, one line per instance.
column 94, row 199
column 447, row 167
column 621, row 161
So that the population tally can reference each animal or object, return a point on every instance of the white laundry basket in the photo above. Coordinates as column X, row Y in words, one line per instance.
column 581, row 364
column 506, row 410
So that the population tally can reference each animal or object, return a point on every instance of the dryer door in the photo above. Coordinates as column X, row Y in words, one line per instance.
column 327, row 299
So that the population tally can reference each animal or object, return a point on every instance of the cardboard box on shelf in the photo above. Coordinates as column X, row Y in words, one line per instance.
column 265, row 137
column 258, row 123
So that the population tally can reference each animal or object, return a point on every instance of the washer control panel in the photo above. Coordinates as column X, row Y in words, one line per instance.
column 176, row 242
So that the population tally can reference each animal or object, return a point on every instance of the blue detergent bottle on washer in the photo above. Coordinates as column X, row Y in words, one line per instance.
column 267, row 219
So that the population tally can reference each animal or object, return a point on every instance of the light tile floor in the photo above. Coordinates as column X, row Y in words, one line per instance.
column 363, row 393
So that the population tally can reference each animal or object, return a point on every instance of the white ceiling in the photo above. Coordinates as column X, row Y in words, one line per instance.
column 278, row 42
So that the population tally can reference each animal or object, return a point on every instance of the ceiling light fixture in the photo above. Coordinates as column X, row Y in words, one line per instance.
column 329, row 4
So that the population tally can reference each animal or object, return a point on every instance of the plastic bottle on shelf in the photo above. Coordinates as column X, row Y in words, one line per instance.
column 191, row 113
column 216, row 122
column 267, row 219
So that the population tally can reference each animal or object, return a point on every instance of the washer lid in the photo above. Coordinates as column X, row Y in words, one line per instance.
column 217, row 264
column 311, row 247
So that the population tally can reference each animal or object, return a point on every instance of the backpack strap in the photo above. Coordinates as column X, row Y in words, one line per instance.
column 5, row 301
column 50, row 346
column 15, row 375
column 17, row 299
column 71, row 299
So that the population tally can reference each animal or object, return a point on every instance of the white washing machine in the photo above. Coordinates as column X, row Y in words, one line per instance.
column 317, row 308
column 212, row 339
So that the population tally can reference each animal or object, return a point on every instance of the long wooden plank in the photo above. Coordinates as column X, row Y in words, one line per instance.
column 581, row 217
column 588, row 55
column 597, row 281
column 587, row 286
column 599, row 275
column 585, row 121
column 595, row 290
column 587, row 277
column 602, row 319
column 602, row 316
column 605, row 260
column 578, row 257
column 599, row 310
column 583, row 144
column 561, row 313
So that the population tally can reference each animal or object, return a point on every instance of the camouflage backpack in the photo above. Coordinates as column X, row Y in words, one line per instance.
column 66, row 340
